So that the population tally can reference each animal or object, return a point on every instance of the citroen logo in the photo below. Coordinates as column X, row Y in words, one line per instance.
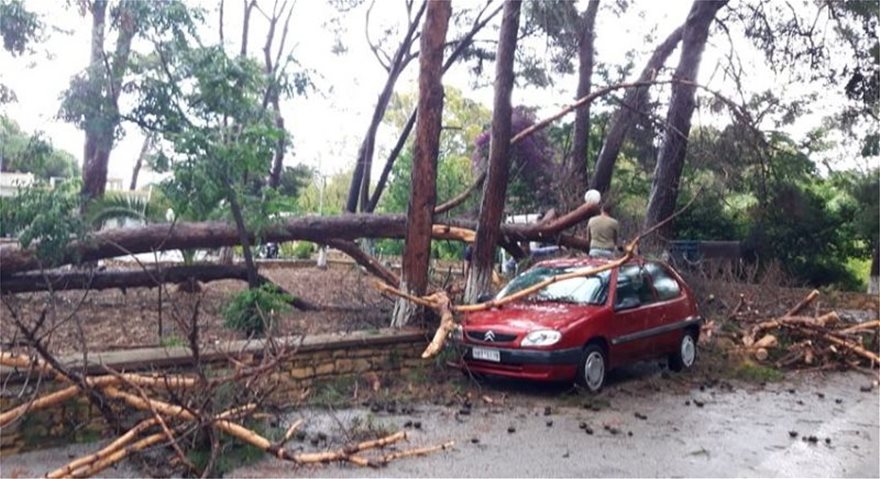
column 489, row 336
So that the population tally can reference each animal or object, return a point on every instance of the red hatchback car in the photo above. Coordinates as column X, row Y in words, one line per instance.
column 581, row 328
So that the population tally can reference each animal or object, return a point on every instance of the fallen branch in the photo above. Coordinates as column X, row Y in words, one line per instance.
column 803, row 303
column 91, row 459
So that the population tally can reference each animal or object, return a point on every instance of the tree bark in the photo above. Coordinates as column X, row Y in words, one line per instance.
column 495, row 189
column 580, row 151
column 358, row 192
column 145, row 149
column 423, row 193
column 874, row 275
column 634, row 103
column 118, row 242
column 667, row 174
column 138, row 278
column 466, row 41
column 100, row 127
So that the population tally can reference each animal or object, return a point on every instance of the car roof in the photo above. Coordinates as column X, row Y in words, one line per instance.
column 582, row 261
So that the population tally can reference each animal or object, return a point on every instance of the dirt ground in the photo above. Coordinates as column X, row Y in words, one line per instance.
column 113, row 319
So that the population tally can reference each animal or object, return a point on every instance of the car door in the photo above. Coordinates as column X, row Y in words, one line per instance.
column 671, row 309
column 633, row 301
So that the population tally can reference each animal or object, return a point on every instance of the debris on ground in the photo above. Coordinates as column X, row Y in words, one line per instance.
column 796, row 339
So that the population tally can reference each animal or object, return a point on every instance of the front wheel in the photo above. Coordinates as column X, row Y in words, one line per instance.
column 593, row 368
column 686, row 354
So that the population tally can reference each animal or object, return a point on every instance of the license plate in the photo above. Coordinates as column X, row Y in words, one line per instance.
column 485, row 354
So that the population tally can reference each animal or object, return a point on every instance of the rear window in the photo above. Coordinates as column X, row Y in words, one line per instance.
column 665, row 285
column 583, row 290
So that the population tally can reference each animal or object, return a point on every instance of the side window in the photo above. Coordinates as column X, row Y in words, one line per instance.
column 665, row 285
column 633, row 287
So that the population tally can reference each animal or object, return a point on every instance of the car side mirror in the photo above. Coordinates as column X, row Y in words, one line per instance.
column 628, row 302
column 485, row 297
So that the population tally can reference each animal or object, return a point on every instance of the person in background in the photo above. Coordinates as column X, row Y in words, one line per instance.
column 602, row 233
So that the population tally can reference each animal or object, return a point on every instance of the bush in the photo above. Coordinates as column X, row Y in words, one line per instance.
column 303, row 250
column 253, row 310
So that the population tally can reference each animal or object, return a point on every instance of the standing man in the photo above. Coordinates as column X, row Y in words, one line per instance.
column 602, row 233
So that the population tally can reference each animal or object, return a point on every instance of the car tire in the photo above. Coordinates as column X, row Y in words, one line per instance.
column 685, row 355
column 593, row 368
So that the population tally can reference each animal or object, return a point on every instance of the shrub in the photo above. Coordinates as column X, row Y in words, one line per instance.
column 303, row 250
column 253, row 310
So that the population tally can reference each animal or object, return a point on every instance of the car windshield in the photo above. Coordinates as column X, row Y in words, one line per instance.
column 584, row 290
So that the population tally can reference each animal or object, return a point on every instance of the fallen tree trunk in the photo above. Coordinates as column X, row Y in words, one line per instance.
column 132, row 278
column 214, row 234
column 139, row 278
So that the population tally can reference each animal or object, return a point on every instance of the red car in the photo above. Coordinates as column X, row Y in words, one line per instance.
column 581, row 328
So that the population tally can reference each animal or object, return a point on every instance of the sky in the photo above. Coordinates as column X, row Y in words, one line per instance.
column 329, row 123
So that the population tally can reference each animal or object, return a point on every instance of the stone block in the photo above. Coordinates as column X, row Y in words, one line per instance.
column 302, row 373
column 325, row 368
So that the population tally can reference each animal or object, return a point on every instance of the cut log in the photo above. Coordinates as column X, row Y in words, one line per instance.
column 803, row 304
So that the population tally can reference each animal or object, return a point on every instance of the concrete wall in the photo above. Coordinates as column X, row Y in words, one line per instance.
column 317, row 358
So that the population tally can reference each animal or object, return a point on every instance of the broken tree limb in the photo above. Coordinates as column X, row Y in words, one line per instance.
column 447, row 323
column 860, row 327
column 368, row 262
column 803, row 303
column 117, row 444
column 855, row 348
column 36, row 404
column 461, row 197
column 118, row 455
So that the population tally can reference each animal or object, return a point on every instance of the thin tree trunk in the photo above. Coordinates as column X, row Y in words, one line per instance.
column 253, row 277
column 667, row 174
column 358, row 192
column 495, row 189
column 634, row 102
column 580, row 151
column 423, row 194
column 145, row 149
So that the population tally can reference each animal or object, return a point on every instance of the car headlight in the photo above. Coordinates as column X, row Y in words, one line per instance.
column 542, row 337
column 457, row 333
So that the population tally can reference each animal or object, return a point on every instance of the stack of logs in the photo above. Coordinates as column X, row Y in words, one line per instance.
column 796, row 340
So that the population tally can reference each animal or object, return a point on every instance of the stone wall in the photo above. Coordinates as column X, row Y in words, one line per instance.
column 317, row 358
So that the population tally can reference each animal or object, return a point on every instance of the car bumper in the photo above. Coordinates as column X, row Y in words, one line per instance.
column 557, row 365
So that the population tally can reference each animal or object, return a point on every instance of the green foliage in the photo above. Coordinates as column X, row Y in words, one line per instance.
column 24, row 153
column 48, row 218
column 302, row 250
column 18, row 26
column 233, row 453
column 253, row 310
column 116, row 206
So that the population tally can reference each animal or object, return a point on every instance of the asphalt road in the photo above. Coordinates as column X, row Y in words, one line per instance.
column 743, row 431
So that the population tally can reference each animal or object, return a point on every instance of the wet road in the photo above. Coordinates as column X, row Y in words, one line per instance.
column 640, row 429
column 744, row 432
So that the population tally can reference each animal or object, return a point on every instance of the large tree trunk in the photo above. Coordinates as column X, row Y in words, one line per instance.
column 667, row 174
column 423, row 193
column 118, row 242
column 462, row 45
column 495, row 189
column 580, row 150
column 635, row 102
column 358, row 192
column 101, row 126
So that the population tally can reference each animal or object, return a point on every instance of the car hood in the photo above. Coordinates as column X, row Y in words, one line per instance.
column 529, row 316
